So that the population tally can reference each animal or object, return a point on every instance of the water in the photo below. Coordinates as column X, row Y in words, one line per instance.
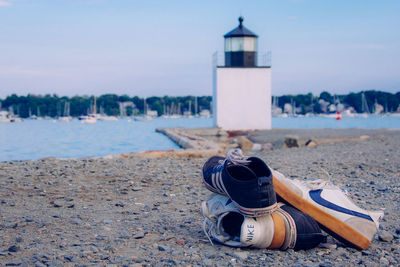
column 35, row 139
column 32, row 139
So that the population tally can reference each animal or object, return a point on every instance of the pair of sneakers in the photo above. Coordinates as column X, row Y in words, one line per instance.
column 244, row 211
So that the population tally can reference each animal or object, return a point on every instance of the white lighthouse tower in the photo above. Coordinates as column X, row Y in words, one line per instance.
column 242, row 86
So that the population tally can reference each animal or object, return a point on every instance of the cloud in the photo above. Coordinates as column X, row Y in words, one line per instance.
column 4, row 3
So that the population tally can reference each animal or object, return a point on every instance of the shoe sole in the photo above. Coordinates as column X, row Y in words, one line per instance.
column 325, row 219
column 251, row 212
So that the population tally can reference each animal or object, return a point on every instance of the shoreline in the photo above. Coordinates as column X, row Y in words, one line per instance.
column 216, row 139
column 205, row 142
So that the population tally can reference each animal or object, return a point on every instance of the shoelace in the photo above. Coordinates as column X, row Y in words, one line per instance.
column 207, row 230
column 321, row 184
column 315, row 184
column 235, row 156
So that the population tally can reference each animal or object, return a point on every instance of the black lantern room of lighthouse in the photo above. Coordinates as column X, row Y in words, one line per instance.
column 240, row 47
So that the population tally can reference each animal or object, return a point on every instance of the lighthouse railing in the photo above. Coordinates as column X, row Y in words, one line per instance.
column 264, row 59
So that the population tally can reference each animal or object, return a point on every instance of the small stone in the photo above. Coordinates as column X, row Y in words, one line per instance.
column 120, row 204
column 257, row 147
column 137, row 260
column 39, row 264
column 77, row 222
column 241, row 254
column 385, row 236
column 137, row 188
column 14, row 263
column 13, row 248
column 107, row 221
column 100, row 237
column 266, row 147
column 180, row 241
column 164, row 248
column 244, row 143
column 19, row 239
column 104, row 257
column 57, row 204
column 328, row 245
column 139, row 235
column 70, row 258
column 291, row 141
column 310, row 143
column 365, row 253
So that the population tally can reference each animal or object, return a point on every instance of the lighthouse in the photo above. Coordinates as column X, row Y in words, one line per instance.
column 241, row 84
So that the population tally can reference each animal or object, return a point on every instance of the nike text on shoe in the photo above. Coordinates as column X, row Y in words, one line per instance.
column 331, row 208
column 247, row 181
column 285, row 228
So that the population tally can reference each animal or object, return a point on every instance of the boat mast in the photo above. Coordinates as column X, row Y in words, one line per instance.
column 364, row 104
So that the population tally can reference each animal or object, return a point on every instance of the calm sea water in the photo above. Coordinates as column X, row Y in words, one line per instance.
column 33, row 139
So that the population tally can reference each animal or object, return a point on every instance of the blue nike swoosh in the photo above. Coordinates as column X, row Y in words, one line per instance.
column 316, row 196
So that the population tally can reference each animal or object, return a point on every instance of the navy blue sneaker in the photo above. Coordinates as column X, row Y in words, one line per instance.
column 246, row 181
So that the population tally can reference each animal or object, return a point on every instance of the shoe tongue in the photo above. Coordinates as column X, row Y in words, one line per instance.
column 257, row 232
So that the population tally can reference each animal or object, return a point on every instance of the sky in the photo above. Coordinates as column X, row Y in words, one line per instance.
column 156, row 48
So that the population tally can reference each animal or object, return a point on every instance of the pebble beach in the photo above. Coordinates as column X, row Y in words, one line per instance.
column 142, row 210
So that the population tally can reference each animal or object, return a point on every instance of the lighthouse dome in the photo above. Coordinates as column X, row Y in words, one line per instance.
column 240, row 31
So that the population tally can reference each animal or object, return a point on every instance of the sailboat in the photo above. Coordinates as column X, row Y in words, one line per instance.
column 145, row 116
column 104, row 117
column 188, row 113
column 92, row 117
column 364, row 107
column 66, row 117
column 196, row 107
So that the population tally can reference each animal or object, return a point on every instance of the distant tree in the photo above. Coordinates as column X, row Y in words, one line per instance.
column 353, row 100
column 326, row 97
column 109, row 104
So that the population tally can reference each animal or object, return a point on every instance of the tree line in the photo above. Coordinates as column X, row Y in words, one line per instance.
column 311, row 103
column 109, row 104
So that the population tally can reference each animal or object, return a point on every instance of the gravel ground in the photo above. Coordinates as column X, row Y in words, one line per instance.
column 134, row 210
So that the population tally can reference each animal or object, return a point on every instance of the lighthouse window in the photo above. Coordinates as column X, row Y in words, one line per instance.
column 235, row 44
column 249, row 44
